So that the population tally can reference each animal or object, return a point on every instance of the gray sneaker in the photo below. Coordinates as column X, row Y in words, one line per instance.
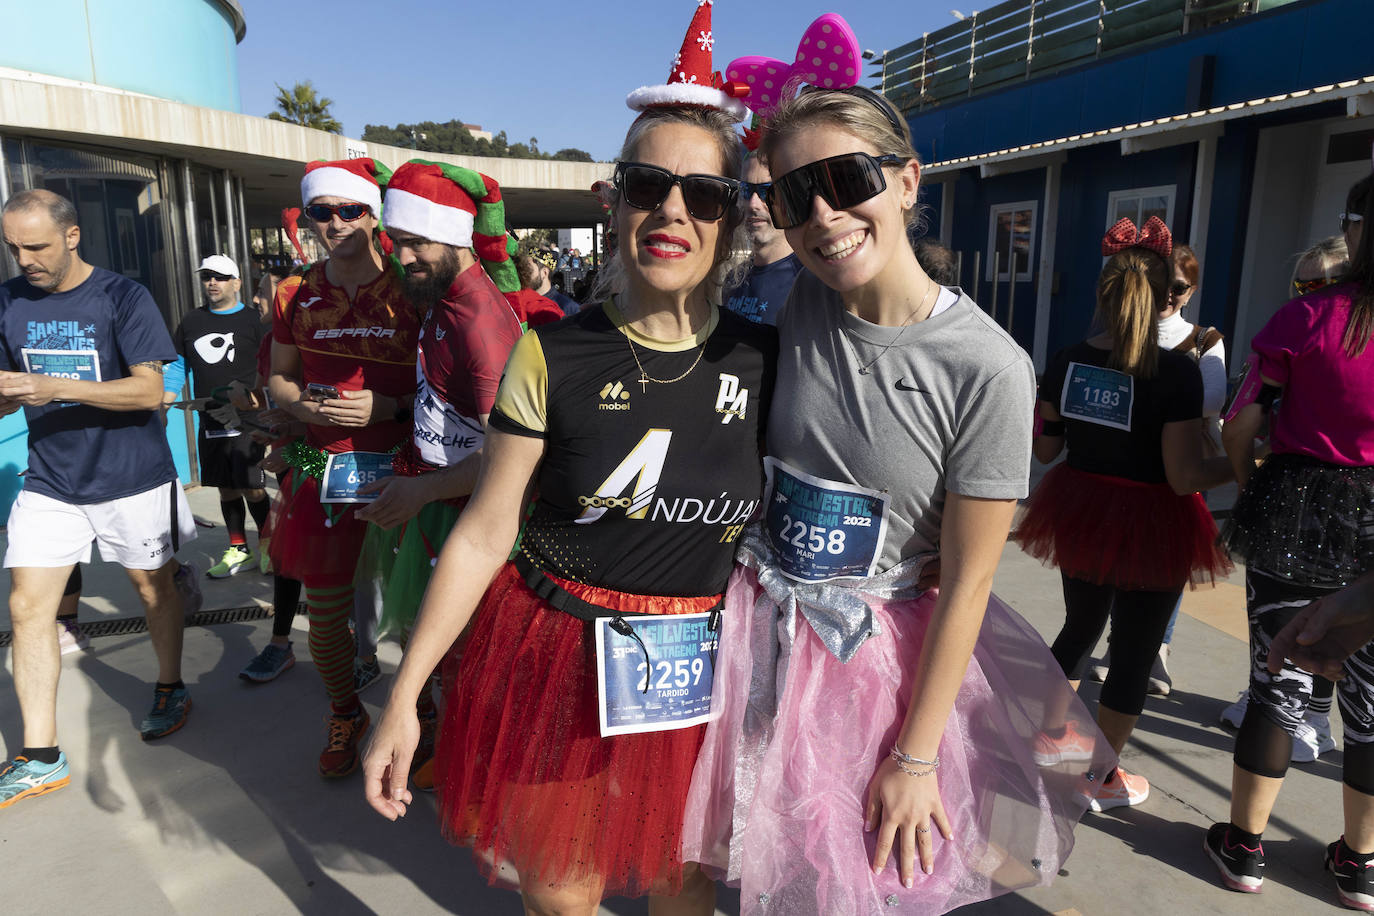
column 187, row 582
column 268, row 664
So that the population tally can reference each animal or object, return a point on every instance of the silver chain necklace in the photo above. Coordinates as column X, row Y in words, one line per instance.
column 867, row 368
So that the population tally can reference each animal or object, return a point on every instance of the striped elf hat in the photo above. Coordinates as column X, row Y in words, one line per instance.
column 454, row 206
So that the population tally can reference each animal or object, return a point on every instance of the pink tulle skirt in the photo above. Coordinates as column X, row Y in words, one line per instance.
column 777, row 798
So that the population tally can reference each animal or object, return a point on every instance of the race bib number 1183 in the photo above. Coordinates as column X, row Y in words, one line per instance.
column 1098, row 395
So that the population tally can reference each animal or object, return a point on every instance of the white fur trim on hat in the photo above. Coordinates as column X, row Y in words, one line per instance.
column 327, row 181
column 422, row 216
column 686, row 94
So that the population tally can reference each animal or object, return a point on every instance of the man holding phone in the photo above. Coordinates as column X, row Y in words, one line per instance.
column 218, row 345
column 344, row 338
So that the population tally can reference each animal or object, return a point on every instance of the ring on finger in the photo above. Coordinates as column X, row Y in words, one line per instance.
column 923, row 830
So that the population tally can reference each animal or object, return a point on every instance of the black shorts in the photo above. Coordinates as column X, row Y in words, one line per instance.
column 232, row 463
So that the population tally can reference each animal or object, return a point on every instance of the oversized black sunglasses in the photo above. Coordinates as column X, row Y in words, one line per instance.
column 842, row 181
column 207, row 276
column 323, row 213
column 645, row 187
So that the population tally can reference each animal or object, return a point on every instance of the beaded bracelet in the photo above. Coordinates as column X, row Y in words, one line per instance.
column 896, row 754
column 910, row 772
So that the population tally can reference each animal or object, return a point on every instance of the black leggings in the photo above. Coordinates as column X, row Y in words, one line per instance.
column 1138, row 620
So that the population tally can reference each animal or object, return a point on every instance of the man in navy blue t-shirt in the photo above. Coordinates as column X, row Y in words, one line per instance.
column 764, row 289
column 82, row 351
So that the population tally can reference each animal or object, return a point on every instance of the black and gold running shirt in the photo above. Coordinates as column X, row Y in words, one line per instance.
column 644, row 487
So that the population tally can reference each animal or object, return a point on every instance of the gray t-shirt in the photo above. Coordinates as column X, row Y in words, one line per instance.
column 948, row 406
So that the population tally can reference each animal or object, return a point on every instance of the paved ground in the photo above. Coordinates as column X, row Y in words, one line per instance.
column 229, row 817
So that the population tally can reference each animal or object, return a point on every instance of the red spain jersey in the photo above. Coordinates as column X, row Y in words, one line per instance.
column 367, row 342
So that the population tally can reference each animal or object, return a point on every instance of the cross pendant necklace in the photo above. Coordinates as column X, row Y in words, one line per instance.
column 644, row 380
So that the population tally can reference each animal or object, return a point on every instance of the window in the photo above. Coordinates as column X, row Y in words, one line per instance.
column 1139, row 204
column 1011, row 234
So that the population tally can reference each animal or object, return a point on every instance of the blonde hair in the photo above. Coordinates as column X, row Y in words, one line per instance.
column 1131, row 290
column 610, row 280
column 1330, row 256
column 855, row 114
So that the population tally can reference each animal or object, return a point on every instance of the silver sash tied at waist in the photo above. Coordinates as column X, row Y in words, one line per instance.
column 838, row 611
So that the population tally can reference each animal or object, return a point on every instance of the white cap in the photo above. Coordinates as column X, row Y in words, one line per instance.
column 220, row 264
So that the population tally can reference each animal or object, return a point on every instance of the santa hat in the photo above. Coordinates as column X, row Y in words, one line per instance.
column 456, row 206
column 352, row 179
column 690, row 79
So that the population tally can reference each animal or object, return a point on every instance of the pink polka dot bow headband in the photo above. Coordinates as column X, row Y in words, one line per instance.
column 828, row 57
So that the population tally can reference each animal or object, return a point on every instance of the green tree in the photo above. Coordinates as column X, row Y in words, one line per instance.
column 301, row 105
column 573, row 154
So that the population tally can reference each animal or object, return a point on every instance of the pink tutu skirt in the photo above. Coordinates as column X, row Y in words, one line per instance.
column 777, row 798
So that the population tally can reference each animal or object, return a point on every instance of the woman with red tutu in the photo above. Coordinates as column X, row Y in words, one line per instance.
column 634, row 425
column 867, row 723
column 1122, row 517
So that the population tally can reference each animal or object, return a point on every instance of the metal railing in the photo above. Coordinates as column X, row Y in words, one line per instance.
column 1021, row 39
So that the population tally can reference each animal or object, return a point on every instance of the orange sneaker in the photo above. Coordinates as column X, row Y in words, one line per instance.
column 1125, row 789
column 1071, row 746
column 340, row 755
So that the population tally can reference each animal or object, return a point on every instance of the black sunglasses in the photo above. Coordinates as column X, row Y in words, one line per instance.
column 323, row 213
column 645, row 187
column 1178, row 288
column 842, row 181
column 223, row 278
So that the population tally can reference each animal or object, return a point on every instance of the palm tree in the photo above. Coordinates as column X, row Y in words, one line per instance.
column 300, row 105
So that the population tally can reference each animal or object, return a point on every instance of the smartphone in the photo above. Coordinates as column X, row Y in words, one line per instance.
column 318, row 392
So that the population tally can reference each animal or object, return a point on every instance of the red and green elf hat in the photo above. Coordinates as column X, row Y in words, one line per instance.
column 352, row 179
column 455, row 206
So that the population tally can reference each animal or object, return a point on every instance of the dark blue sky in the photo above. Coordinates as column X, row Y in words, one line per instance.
column 558, row 71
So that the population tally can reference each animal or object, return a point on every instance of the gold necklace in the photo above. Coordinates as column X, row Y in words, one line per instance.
column 868, row 368
column 644, row 377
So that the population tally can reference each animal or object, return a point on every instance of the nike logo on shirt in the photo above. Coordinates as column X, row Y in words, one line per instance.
column 904, row 385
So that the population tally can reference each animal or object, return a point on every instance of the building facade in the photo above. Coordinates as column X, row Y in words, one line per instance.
column 1240, row 124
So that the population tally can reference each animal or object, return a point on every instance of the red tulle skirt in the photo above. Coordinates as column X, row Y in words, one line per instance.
column 1113, row 531
column 316, row 544
column 522, row 772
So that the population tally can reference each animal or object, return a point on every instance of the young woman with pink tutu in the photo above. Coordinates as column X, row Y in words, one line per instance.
column 874, row 746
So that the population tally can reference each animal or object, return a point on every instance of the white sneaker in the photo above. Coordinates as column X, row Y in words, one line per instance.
column 71, row 638
column 1313, row 738
column 1160, row 682
column 1098, row 672
column 1234, row 714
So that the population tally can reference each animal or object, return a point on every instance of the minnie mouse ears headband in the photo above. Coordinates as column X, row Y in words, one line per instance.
column 828, row 57
column 1154, row 235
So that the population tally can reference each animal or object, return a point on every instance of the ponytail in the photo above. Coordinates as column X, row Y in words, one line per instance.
column 1129, row 293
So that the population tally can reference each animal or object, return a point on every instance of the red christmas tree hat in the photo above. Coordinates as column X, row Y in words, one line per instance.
column 690, row 79
column 352, row 179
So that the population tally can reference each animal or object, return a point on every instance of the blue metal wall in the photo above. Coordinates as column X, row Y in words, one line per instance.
column 1293, row 47
column 184, row 50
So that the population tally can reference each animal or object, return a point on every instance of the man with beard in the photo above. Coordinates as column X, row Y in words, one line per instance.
column 762, row 293
column 82, row 351
column 343, row 363
column 442, row 220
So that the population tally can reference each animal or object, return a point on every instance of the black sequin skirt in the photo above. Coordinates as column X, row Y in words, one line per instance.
column 1305, row 520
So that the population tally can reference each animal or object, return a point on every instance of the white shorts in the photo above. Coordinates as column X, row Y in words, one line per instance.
column 135, row 531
